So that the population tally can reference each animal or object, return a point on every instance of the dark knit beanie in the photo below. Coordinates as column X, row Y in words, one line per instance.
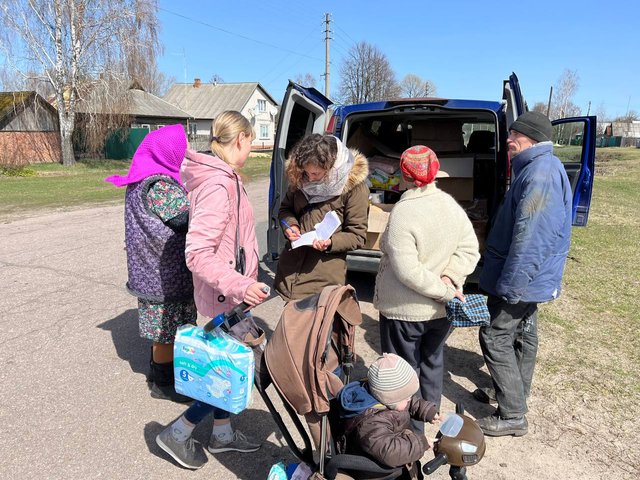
column 534, row 125
column 392, row 379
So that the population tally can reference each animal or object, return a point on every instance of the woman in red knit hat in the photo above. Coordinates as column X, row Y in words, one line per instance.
column 429, row 247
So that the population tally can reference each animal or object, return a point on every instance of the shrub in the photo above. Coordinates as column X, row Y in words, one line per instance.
column 17, row 171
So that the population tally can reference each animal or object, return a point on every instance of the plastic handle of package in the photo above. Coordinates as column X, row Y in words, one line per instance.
column 219, row 319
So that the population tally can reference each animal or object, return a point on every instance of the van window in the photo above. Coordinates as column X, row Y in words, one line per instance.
column 479, row 137
column 567, row 139
column 300, row 125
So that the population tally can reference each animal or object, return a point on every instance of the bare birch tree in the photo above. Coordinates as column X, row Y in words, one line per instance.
column 413, row 86
column 540, row 107
column 366, row 75
column 602, row 118
column 630, row 116
column 80, row 47
column 562, row 105
column 306, row 80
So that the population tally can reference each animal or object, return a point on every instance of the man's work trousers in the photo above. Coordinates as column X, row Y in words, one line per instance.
column 509, row 345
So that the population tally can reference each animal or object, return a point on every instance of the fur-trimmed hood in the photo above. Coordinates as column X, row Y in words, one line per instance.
column 359, row 172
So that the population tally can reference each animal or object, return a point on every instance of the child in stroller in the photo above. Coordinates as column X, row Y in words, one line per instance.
column 376, row 414
column 309, row 359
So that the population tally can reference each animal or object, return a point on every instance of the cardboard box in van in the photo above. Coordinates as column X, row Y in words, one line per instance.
column 377, row 222
column 459, row 188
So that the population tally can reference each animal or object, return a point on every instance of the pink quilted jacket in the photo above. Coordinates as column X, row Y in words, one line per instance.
column 210, row 247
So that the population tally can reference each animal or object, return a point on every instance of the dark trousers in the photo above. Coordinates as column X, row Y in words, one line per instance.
column 509, row 345
column 198, row 410
column 422, row 345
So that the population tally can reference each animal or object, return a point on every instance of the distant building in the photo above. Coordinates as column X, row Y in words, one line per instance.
column 144, row 109
column 29, row 130
column 626, row 129
column 144, row 113
column 204, row 101
column 620, row 134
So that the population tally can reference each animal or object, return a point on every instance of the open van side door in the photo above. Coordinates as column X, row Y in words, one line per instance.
column 574, row 142
column 303, row 111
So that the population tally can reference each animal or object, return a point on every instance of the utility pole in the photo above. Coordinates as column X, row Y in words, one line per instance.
column 327, row 20
column 589, row 108
column 549, row 103
column 628, row 103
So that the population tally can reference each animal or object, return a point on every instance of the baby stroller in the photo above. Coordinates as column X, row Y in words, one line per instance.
column 309, row 358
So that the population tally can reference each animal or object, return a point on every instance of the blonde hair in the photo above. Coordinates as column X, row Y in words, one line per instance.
column 225, row 129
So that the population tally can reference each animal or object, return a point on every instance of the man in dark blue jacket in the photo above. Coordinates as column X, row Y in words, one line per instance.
column 523, row 265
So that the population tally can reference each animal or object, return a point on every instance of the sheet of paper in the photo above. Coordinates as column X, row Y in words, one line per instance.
column 305, row 239
column 323, row 230
column 329, row 224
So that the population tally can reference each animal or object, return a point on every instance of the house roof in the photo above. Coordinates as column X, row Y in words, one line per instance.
column 11, row 103
column 626, row 129
column 210, row 99
column 135, row 102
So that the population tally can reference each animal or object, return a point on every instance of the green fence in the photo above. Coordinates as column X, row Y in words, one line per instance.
column 119, row 145
column 604, row 141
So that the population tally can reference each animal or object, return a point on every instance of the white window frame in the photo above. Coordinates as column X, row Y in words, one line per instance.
column 261, row 106
column 264, row 127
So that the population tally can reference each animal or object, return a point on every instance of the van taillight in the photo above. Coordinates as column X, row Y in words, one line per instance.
column 508, row 168
column 332, row 125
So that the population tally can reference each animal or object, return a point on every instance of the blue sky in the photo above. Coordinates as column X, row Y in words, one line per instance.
column 466, row 47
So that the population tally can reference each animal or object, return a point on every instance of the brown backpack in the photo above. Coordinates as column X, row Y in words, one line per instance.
column 314, row 337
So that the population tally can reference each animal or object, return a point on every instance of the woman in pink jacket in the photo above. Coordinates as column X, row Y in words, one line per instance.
column 221, row 224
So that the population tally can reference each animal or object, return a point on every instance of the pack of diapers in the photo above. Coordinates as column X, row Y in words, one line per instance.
column 214, row 368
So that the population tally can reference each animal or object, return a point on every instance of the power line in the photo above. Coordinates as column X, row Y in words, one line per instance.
column 237, row 34
column 267, row 76
column 349, row 37
column 301, row 44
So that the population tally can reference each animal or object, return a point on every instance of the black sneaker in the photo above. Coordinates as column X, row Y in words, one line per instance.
column 167, row 392
column 189, row 453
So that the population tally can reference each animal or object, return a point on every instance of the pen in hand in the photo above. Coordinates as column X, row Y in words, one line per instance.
column 285, row 224
column 294, row 234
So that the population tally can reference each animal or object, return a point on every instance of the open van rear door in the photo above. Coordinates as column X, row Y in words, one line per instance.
column 303, row 111
column 512, row 96
column 574, row 142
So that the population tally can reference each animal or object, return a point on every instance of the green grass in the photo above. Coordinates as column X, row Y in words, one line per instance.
column 568, row 153
column 597, row 318
column 56, row 186
column 256, row 167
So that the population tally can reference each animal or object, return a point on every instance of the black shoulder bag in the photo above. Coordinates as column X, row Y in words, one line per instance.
column 240, row 255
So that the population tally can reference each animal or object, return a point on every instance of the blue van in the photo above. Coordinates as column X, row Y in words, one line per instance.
column 469, row 137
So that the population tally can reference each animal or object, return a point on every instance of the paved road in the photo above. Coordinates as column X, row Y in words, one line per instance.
column 74, row 402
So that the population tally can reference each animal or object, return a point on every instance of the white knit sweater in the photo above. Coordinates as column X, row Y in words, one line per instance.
column 429, row 235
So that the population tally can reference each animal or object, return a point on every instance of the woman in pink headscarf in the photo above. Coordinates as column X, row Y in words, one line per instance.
column 156, row 220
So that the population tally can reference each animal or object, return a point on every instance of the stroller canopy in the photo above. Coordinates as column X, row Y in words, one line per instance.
column 314, row 337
